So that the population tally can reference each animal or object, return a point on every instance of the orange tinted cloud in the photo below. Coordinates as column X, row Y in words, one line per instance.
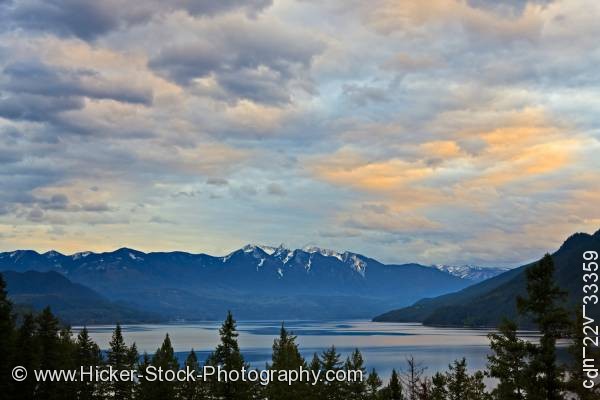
column 442, row 148
column 347, row 167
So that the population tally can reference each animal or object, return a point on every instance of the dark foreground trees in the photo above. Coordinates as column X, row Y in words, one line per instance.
column 522, row 370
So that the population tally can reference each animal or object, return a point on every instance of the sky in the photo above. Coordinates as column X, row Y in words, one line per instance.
column 443, row 131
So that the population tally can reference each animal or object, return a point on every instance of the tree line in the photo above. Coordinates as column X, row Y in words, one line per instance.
column 522, row 370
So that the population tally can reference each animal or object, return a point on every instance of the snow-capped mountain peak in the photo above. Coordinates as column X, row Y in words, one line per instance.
column 249, row 248
column 324, row 252
column 471, row 272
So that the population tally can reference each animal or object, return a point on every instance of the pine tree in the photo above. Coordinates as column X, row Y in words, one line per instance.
column 316, row 390
column 373, row 384
column 228, row 356
column 462, row 386
column 119, row 358
column 7, row 332
column 542, row 304
column 576, row 374
column 356, row 389
column 144, row 388
column 286, row 356
column 191, row 390
column 50, row 353
column 28, row 357
column 67, row 361
column 394, row 388
column 477, row 388
column 508, row 363
column 424, row 391
column 439, row 387
column 164, row 360
column 330, row 361
column 88, row 356
column 458, row 380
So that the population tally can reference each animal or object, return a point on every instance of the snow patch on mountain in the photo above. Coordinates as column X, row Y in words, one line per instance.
column 351, row 259
column 324, row 252
column 82, row 254
column 359, row 265
column 471, row 272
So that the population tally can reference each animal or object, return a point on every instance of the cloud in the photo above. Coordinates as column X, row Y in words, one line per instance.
column 88, row 19
column 217, row 181
column 257, row 60
column 40, row 79
column 36, row 108
column 157, row 219
column 444, row 131
column 275, row 189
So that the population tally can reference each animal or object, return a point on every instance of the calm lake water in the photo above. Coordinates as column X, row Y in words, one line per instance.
column 383, row 345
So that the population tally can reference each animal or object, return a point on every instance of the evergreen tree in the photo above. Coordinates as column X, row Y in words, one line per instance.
column 542, row 304
column 7, row 331
column 88, row 356
column 286, row 356
column 143, row 389
column 330, row 361
column 119, row 358
column 28, row 357
column 228, row 356
column 508, row 363
column 373, row 384
column 50, row 353
column 356, row 389
column 576, row 374
column 164, row 360
column 424, row 391
column 393, row 391
column 462, row 386
column 191, row 390
column 439, row 389
column 316, row 390
column 477, row 389
column 67, row 361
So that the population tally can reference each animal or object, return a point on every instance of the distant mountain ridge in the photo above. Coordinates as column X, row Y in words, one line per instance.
column 471, row 272
column 486, row 303
column 74, row 303
column 255, row 281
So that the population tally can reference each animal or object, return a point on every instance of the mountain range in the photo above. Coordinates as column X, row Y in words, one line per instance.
column 471, row 272
column 73, row 302
column 486, row 303
column 254, row 281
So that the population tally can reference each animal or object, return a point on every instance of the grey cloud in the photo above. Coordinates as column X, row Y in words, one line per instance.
column 261, row 86
column 37, row 78
column 506, row 6
column 56, row 202
column 36, row 108
column 275, row 189
column 362, row 95
column 35, row 215
column 56, row 231
column 217, row 181
column 94, row 207
column 9, row 157
column 88, row 19
column 253, row 62
column 160, row 220
column 376, row 208
column 339, row 234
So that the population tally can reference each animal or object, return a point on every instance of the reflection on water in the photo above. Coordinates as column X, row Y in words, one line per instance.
column 384, row 345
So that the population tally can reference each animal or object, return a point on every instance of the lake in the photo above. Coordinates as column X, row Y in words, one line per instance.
column 384, row 345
